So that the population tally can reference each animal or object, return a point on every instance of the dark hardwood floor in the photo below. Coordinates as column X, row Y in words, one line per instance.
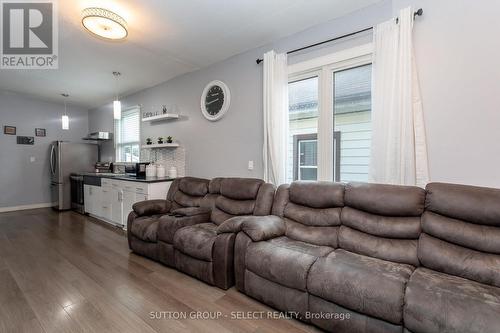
column 64, row 272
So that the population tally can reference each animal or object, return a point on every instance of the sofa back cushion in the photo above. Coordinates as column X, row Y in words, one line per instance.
column 187, row 192
column 382, row 221
column 461, row 232
column 239, row 196
column 311, row 211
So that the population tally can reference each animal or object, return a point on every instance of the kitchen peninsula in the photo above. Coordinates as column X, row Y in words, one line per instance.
column 109, row 197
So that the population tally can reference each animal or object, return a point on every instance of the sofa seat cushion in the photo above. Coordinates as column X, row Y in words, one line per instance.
column 284, row 260
column 197, row 240
column 146, row 228
column 438, row 302
column 168, row 225
column 367, row 285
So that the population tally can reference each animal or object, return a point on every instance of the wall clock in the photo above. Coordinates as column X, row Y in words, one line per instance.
column 215, row 100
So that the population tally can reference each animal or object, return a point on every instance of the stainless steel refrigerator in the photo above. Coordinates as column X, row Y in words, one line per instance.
column 67, row 158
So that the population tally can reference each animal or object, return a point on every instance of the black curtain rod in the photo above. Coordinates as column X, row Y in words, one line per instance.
column 419, row 12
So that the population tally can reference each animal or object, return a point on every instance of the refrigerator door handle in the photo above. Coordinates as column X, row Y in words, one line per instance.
column 52, row 148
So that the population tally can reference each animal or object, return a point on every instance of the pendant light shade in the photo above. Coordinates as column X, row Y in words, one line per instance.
column 117, row 110
column 65, row 118
column 65, row 122
column 117, row 105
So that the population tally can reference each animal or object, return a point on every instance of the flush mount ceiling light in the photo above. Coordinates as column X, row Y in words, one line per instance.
column 104, row 23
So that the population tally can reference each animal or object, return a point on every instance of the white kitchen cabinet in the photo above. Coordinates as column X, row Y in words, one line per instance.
column 129, row 199
column 92, row 199
column 106, row 203
column 116, row 198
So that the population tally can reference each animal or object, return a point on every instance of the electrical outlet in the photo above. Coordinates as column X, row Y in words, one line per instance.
column 250, row 165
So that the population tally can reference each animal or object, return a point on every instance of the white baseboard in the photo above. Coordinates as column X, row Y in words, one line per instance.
column 25, row 207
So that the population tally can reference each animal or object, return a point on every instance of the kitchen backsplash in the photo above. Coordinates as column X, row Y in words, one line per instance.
column 167, row 157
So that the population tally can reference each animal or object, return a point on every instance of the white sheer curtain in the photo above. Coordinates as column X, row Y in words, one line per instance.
column 399, row 149
column 275, row 117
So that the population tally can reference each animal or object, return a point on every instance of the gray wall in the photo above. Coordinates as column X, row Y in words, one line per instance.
column 23, row 182
column 459, row 77
column 223, row 148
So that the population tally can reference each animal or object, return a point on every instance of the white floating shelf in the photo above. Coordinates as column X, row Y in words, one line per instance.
column 163, row 145
column 165, row 116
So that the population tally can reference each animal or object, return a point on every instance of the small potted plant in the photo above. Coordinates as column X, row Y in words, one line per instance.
column 149, row 141
column 170, row 139
column 160, row 140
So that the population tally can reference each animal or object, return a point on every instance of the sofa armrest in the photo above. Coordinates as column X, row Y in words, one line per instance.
column 232, row 225
column 190, row 211
column 261, row 228
column 151, row 207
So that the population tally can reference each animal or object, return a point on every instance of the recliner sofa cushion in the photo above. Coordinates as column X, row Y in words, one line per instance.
column 402, row 251
column 240, row 188
column 169, row 225
column 317, row 194
column 470, row 203
column 366, row 285
column 196, row 241
column 284, row 260
column 311, row 211
column 382, row 221
column 387, row 200
column 460, row 261
column 461, row 232
column 145, row 228
column 436, row 302
column 194, row 186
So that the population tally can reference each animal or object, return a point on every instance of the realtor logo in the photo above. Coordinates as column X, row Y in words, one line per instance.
column 28, row 34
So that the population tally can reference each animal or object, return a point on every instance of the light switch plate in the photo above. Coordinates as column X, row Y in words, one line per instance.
column 32, row 159
column 250, row 165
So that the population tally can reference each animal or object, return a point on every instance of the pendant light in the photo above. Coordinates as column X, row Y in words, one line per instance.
column 65, row 118
column 117, row 105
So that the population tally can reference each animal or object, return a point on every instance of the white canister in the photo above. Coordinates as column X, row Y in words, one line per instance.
column 160, row 171
column 172, row 172
column 151, row 170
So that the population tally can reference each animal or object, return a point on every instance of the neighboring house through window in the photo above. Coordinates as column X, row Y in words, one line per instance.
column 127, row 136
column 330, row 117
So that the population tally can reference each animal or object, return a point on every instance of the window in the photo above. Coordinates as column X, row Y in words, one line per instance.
column 305, row 152
column 352, row 122
column 127, row 136
column 303, row 128
column 330, row 117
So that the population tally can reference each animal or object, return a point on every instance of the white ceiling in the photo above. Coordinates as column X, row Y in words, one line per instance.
column 166, row 38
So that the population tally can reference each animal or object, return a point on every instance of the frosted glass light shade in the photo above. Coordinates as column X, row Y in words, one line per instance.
column 104, row 23
column 117, row 110
column 65, row 122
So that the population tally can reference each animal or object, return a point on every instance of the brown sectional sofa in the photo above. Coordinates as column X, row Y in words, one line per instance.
column 399, row 259
column 185, row 199
column 188, row 230
column 205, row 250
column 352, row 257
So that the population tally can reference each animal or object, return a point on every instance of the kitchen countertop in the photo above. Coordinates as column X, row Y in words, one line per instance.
column 130, row 178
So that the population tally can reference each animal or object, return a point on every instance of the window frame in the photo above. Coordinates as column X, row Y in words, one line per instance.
column 324, row 68
column 119, row 145
column 296, row 151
